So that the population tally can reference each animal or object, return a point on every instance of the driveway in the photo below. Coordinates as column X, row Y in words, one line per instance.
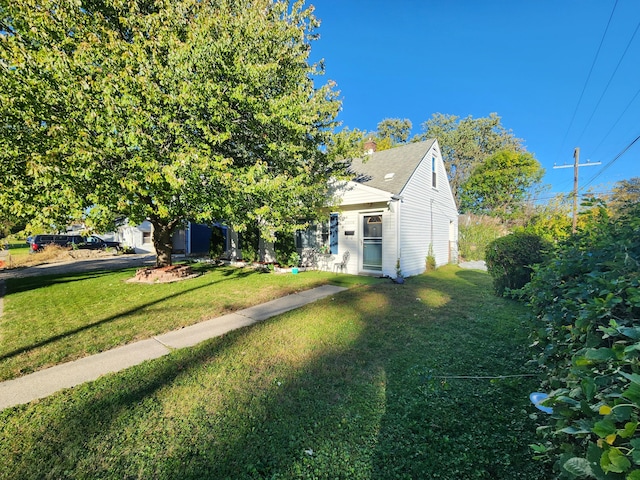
column 474, row 265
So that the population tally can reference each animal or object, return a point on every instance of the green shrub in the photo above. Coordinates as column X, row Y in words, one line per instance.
column 475, row 233
column 430, row 261
column 285, row 248
column 217, row 245
column 587, row 307
column 552, row 221
column 250, row 244
column 294, row 260
column 510, row 259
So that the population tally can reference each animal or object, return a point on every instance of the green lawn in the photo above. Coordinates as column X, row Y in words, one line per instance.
column 52, row 319
column 357, row 386
column 18, row 249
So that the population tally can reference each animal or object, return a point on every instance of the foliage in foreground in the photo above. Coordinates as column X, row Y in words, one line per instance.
column 357, row 386
column 510, row 259
column 587, row 302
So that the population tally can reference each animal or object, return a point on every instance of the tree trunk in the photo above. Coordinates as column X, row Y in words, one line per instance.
column 162, row 241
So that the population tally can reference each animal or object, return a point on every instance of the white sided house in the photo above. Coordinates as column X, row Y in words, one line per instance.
column 139, row 237
column 397, row 210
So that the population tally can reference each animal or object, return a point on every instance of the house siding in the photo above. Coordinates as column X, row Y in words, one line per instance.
column 419, row 216
column 389, row 242
column 351, row 194
column 426, row 214
column 134, row 236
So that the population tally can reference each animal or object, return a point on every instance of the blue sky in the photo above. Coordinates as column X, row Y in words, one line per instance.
column 528, row 61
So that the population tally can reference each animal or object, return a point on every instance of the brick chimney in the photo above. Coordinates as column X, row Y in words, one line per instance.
column 369, row 146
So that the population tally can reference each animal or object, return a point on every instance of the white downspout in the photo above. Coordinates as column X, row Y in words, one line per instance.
column 397, row 201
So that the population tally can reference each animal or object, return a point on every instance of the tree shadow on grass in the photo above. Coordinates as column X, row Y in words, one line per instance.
column 25, row 284
column 475, row 277
column 89, row 326
column 20, row 285
column 364, row 402
column 72, row 420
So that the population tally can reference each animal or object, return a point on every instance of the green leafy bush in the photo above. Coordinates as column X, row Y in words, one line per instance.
column 250, row 244
column 430, row 261
column 551, row 221
column 285, row 248
column 587, row 306
column 510, row 259
column 475, row 233
column 217, row 246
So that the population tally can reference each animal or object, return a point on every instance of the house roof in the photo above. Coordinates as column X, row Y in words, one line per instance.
column 390, row 170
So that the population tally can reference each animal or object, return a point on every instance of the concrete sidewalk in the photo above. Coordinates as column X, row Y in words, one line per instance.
column 45, row 382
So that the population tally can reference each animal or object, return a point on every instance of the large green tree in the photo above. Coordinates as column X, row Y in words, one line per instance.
column 392, row 132
column 500, row 185
column 625, row 194
column 346, row 144
column 467, row 142
column 167, row 110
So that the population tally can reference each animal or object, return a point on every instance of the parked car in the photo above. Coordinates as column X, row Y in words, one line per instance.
column 93, row 242
column 40, row 241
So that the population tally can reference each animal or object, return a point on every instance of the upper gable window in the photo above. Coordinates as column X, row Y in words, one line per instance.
column 434, row 175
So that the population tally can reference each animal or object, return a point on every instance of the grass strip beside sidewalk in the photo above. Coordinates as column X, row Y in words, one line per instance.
column 54, row 319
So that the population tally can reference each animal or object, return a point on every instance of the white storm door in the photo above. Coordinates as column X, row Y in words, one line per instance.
column 372, row 243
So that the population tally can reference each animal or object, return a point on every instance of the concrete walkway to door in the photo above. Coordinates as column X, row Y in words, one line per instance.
column 46, row 382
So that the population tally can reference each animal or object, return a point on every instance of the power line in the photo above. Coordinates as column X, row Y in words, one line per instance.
column 609, row 82
column 618, row 120
column 593, row 64
column 624, row 150
column 568, row 195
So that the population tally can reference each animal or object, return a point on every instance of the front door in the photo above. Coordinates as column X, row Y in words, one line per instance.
column 372, row 243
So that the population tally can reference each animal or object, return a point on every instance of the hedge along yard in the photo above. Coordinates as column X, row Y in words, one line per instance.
column 381, row 381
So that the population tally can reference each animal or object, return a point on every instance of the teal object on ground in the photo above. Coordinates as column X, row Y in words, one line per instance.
column 294, row 271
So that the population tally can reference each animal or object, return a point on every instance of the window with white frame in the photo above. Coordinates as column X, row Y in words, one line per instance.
column 434, row 175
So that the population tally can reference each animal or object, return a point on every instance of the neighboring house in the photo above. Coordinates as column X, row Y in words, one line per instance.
column 194, row 239
column 398, row 206
column 139, row 237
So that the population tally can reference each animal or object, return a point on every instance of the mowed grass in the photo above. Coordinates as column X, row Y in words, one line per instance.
column 357, row 386
column 19, row 249
column 53, row 319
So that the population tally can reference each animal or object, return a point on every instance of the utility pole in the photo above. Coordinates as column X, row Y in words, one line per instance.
column 576, row 165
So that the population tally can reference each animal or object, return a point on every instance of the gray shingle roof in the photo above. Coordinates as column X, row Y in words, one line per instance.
column 390, row 170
